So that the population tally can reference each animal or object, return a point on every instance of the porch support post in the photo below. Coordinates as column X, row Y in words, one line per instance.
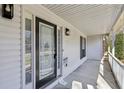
column 113, row 41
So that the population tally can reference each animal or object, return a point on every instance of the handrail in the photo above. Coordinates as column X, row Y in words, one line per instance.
column 117, row 60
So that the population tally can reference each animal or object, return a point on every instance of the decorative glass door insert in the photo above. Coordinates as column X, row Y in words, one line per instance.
column 46, row 48
column 45, row 52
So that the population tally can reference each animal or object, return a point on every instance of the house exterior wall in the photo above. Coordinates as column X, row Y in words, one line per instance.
column 71, row 46
column 10, row 62
column 11, row 49
column 94, row 47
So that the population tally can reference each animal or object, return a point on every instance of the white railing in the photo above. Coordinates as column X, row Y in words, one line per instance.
column 118, row 69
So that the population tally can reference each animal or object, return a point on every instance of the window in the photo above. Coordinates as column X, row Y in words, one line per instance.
column 82, row 47
column 28, row 51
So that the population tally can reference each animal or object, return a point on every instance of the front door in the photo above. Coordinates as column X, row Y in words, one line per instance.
column 45, row 52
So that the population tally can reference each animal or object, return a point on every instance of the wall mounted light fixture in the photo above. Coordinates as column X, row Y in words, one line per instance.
column 67, row 32
column 8, row 11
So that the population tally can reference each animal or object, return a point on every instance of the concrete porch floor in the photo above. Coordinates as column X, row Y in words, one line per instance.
column 91, row 75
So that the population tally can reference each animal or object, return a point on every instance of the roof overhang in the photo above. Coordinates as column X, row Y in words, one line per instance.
column 91, row 19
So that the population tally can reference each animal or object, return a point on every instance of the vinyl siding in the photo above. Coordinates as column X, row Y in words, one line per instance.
column 10, row 67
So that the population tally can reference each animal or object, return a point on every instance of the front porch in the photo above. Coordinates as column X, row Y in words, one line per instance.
column 38, row 49
column 92, row 74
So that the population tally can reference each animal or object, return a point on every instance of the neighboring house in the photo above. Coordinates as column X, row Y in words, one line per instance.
column 40, row 46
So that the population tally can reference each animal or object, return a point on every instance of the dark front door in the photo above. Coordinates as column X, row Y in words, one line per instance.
column 45, row 52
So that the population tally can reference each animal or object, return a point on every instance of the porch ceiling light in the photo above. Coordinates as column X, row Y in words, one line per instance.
column 8, row 11
column 67, row 32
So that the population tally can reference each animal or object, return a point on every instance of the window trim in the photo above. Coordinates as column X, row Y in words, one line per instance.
column 31, row 52
column 26, row 14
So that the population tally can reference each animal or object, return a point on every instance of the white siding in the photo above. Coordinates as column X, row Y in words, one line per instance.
column 10, row 68
column 94, row 47
column 71, row 46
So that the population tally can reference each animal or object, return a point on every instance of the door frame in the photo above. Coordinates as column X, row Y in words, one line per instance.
column 37, row 21
column 25, row 9
column 60, row 31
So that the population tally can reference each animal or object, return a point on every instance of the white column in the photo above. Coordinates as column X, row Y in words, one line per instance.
column 113, row 41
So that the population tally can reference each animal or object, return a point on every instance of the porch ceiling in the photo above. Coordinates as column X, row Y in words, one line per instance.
column 90, row 19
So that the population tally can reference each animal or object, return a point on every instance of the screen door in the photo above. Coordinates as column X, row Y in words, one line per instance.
column 45, row 52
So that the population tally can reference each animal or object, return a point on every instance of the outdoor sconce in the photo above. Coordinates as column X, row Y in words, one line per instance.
column 67, row 32
column 8, row 11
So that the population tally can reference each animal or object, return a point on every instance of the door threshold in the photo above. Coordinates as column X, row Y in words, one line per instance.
column 49, row 83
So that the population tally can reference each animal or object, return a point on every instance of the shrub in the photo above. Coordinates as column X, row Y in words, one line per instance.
column 119, row 46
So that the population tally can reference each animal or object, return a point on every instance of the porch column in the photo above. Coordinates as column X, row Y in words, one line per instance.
column 113, row 41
